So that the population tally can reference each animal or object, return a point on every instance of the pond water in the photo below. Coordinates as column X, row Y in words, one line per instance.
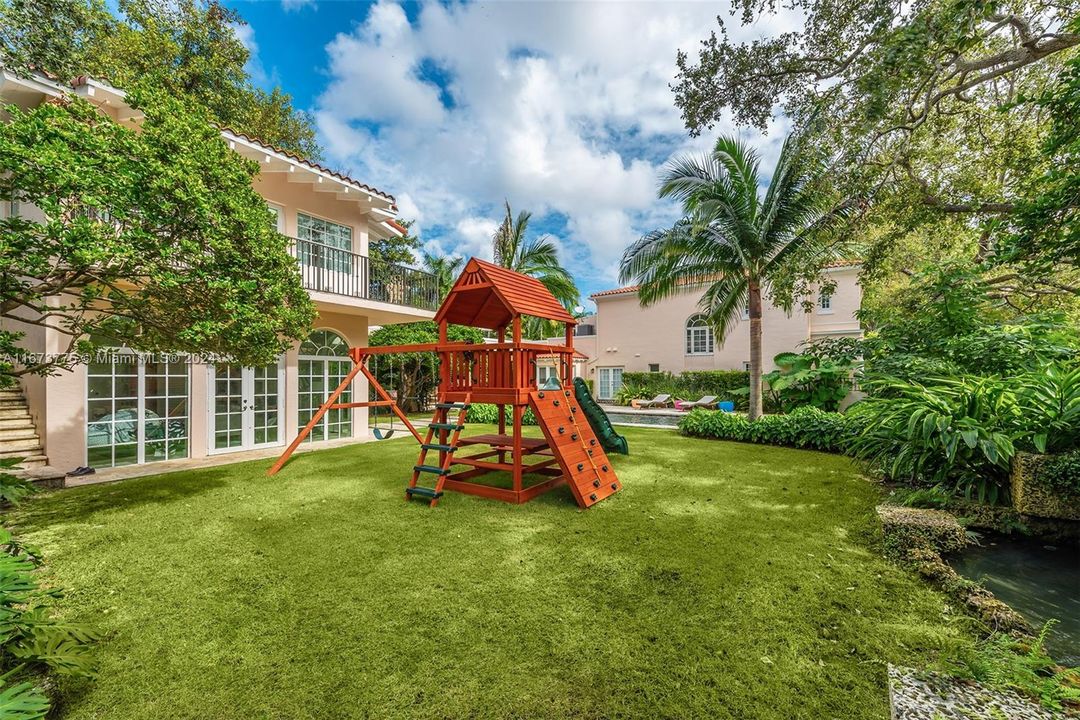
column 1040, row 581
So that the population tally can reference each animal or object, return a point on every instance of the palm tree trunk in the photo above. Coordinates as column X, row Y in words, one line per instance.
column 755, row 349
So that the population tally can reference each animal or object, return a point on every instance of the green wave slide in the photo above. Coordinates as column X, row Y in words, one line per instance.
column 598, row 419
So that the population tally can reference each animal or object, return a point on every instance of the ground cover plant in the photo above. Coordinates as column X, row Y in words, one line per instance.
column 725, row 581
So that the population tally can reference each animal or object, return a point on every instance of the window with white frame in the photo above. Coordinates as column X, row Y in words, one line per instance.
column 699, row 336
column 329, row 244
column 824, row 302
column 745, row 312
column 610, row 382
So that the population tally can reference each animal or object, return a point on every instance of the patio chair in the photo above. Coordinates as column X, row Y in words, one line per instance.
column 706, row 402
column 658, row 401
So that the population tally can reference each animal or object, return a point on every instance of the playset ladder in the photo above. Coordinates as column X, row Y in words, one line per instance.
column 584, row 463
column 448, row 435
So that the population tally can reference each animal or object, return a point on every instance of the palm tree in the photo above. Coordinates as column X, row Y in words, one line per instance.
column 445, row 269
column 537, row 258
column 733, row 239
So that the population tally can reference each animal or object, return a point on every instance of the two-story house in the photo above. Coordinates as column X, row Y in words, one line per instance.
column 673, row 336
column 122, row 409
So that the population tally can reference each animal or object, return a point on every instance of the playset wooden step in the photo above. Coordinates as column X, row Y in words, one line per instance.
column 443, row 437
column 574, row 445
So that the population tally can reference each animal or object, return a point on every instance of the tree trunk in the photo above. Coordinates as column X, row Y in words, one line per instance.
column 755, row 349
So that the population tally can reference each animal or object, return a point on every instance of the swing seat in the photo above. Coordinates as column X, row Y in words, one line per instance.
column 381, row 435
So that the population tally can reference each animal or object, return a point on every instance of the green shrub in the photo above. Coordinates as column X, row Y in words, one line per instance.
column 1062, row 473
column 489, row 414
column 805, row 427
column 958, row 433
column 819, row 376
column 13, row 489
column 32, row 640
column 962, row 433
column 628, row 393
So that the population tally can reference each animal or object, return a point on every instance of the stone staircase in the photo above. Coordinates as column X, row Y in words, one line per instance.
column 18, row 436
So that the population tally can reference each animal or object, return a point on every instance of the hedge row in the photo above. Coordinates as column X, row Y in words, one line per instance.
column 485, row 413
column 806, row 427
column 725, row 384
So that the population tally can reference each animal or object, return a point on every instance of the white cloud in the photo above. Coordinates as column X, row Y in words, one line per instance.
column 293, row 5
column 559, row 107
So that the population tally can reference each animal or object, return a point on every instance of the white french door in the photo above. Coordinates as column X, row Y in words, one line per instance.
column 610, row 382
column 246, row 406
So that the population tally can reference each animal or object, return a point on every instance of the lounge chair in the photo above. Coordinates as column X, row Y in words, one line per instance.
column 706, row 402
column 658, row 401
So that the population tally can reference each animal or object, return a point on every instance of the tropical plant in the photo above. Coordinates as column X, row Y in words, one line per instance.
column 1050, row 402
column 538, row 258
column 629, row 392
column 960, row 433
column 12, row 487
column 735, row 242
column 810, row 378
column 445, row 269
column 32, row 639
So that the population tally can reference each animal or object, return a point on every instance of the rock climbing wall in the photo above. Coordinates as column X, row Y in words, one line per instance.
column 583, row 461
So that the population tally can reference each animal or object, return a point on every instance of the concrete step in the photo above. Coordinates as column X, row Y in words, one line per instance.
column 15, row 448
column 10, row 394
column 18, row 402
column 11, row 423
column 14, row 412
column 24, row 432
column 34, row 460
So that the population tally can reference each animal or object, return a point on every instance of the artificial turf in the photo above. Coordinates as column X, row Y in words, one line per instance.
column 725, row 581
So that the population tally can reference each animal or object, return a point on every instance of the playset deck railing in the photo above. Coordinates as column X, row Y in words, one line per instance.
column 499, row 372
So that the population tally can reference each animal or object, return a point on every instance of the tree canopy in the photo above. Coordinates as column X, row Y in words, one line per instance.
column 153, row 239
column 186, row 48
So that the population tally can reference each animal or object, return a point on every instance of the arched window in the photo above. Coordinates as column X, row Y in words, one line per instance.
column 324, row 343
column 699, row 336
column 323, row 364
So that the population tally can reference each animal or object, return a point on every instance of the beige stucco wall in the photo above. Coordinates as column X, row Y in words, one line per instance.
column 632, row 337
column 301, row 197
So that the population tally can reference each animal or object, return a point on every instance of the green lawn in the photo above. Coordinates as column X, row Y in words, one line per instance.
column 725, row 581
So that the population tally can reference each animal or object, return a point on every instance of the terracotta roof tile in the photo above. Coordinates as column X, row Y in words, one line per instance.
column 311, row 164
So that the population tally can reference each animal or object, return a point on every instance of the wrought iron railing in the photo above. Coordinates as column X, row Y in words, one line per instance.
column 332, row 270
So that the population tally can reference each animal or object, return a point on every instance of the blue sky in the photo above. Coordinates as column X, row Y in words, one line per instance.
column 562, row 108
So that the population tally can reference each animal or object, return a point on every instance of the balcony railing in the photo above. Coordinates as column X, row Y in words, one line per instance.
column 332, row 270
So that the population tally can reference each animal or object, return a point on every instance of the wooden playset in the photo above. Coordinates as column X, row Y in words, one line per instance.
column 502, row 373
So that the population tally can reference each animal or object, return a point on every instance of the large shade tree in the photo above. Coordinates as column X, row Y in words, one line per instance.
column 154, row 239
column 537, row 257
column 740, row 244
column 191, row 49
column 938, row 113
